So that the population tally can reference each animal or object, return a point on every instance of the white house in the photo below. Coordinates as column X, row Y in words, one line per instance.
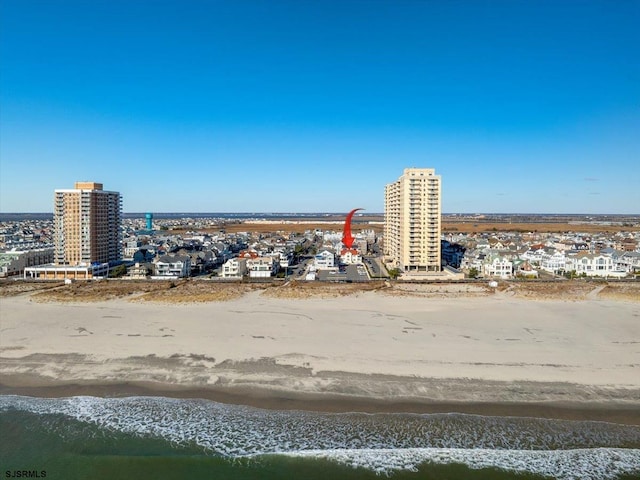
column 535, row 254
column 627, row 261
column 324, row 260
column 234, row 268
column 349, row 256
column 281, row 256
column 173, row 266
column 553, row 262
column 498, row 267
column 261, row 267
column 593, row 265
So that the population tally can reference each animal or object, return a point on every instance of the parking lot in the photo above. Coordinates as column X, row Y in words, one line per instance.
column 346, row 273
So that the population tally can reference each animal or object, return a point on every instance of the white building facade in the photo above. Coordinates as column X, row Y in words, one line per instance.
column 173, row 266
column 262, row 267
column 593, row 265
column 349, row 256
column 498, row 267
column 234, row 268
column 324, row 260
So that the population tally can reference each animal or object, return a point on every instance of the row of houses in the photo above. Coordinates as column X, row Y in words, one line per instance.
column 331, row 254
column 530, row 261
column 255, row 266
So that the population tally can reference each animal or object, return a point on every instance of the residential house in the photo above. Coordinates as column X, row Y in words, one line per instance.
column 522, row 268
column 262, row 267
column 592, row 265
column 173, row 266
column 627, row 261
column 234, row 268
column 139, row 271
column 145, row 254
column 349, row 256
column 553, row 262
column 324, row 260
column 131, row 246
column 248, row 254
column 498, row 266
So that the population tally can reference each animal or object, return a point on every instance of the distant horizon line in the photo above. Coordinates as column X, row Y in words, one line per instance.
column 326, row 213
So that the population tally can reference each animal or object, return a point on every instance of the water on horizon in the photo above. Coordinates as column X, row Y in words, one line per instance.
column 156, row 437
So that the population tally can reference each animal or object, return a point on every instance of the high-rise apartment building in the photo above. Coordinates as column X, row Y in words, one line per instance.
column 87, row 225
column 412, row 221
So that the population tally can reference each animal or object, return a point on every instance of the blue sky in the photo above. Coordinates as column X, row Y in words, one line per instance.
column 271, row 106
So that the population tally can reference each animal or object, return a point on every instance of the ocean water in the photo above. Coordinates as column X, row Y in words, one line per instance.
column 164, row 438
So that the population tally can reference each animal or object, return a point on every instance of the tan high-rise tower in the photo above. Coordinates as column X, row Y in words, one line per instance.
column 87, row 225
column 412, row 221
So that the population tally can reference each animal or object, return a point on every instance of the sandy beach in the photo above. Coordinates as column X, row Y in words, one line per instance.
column 368, row 351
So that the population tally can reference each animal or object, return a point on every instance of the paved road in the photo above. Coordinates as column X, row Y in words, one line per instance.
column 375, row 267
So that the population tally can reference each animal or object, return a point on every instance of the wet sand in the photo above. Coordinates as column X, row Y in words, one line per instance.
column 622, row 413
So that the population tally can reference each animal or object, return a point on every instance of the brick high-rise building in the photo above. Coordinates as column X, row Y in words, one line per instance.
column 87, row 225
column 412, row 221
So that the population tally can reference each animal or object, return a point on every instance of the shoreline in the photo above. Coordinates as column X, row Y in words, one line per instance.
column 626, row 413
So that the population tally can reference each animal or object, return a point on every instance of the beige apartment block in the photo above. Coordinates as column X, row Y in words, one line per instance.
column 412, row 221
column 87, row 225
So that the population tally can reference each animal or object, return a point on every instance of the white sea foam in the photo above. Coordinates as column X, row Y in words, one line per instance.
column 381, row 442
column 580, row 464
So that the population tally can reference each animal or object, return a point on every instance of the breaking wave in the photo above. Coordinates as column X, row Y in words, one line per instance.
column 379, row 442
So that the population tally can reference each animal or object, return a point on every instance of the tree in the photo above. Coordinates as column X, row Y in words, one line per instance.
column 394, row 273
column 473, row 272
column 118, row 271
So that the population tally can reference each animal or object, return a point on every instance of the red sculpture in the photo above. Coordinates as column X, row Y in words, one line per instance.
column 347, row 238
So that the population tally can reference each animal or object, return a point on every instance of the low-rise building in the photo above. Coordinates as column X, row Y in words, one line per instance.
column 523, row 268
column 138, row 271
column 131, row 246
column 234, row 268
column 349, row 256
column 498, row 267
column 592, row 265
column 261, row 267
column 554, row 262
column 67, row 272
column 173, row 266
column 627, row 261
column 14, row 262
column 324, row 260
